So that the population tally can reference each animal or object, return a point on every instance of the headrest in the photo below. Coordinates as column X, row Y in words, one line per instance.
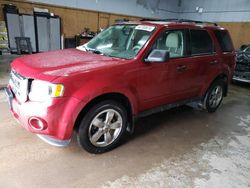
column 172, row 40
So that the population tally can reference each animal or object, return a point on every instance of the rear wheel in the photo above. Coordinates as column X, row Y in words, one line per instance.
column 214, row 96
column 102, row 128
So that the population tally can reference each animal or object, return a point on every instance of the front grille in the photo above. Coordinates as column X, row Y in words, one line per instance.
column 19, row 86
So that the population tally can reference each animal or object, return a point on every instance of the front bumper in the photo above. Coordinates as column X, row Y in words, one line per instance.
column 53, row 141
column 57, row 117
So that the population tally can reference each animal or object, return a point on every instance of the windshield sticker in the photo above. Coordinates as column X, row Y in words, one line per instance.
column 145, row 27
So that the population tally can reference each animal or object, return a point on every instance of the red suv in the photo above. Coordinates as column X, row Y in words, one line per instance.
column 129, row 70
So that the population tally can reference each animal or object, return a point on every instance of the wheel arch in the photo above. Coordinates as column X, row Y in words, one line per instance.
column 118, row 97
column 222, row 76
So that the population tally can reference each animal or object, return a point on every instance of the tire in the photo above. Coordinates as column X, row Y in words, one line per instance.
column 214, row 96
column 102, row 127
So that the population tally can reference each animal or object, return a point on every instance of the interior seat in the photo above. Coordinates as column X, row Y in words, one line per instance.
column 172, row 44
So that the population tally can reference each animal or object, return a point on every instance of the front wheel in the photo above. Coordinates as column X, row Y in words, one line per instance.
column 103, row 126
column 214, row 96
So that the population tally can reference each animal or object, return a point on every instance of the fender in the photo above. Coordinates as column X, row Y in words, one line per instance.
column 71, row 113
column 212, row 76
column 131, row 95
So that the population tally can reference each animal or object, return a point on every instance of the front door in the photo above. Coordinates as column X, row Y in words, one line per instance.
column 171, row 81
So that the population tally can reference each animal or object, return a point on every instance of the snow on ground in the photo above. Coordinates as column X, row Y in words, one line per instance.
column 221, row 162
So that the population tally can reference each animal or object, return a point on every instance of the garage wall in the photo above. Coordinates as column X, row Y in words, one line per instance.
column 95, row 14
column 239, row 32
column 216, row 10
column 76, row 17
column 141, row 8
column 73, row 20
column 234, row 15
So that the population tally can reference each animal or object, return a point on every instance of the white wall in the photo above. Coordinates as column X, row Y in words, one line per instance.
column 216, row 10
column 141, row 8
column 213, row 10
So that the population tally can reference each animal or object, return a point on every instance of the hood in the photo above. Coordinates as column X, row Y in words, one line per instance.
column 61, row 63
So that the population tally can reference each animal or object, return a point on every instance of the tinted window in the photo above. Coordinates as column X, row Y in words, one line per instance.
column 172, row 41
column 201, row 42
column 224, row 40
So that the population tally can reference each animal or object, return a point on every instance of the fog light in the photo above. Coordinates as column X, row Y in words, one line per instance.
column 37, row 124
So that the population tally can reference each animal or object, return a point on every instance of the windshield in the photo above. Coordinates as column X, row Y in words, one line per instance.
column 121, row 41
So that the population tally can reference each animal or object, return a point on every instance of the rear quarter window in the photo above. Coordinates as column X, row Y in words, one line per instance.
column 224, row 40
column 201, row 42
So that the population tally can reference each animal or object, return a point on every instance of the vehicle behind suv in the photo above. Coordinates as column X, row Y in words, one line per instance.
column 242, row 69
column 129, row 70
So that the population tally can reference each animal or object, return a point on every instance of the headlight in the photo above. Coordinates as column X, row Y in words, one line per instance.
column 42, row 91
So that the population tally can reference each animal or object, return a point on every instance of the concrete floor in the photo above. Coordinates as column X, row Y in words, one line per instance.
column 181, row 147
column 5, row 68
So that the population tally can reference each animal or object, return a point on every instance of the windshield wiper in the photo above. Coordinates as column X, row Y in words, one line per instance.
column 94, row 50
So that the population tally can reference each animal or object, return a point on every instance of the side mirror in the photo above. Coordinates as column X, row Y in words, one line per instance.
column 157, row 55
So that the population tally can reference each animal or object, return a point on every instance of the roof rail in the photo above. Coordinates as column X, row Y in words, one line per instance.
column 198, row 22
column 179, row 21
column 152, row 19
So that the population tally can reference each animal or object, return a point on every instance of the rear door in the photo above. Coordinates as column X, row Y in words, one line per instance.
column 202, row 58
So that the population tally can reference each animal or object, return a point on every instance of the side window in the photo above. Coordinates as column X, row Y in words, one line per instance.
column 201, row 43
column 172, row 41
column 224, row 40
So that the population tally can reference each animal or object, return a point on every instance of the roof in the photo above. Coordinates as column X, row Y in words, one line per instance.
column 177, row 23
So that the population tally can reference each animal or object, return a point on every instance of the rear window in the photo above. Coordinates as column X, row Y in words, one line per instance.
column 224, row 40
column 201, row 42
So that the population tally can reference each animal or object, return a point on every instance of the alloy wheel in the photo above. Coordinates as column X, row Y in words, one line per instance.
column 105, row 128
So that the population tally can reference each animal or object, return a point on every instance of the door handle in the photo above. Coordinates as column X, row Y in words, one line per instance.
column 214, row 62
column 181, row 68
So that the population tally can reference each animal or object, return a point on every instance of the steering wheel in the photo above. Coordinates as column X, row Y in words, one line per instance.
column 136, row 48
